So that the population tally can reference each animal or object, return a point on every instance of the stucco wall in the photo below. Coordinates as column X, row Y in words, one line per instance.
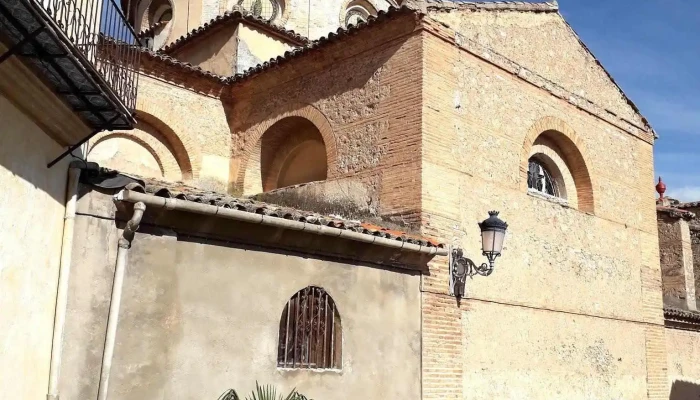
column 215, row 53
column 602, row 265
column 683, row 368
column 31, row 210
column 256, row 47
column 200, row 316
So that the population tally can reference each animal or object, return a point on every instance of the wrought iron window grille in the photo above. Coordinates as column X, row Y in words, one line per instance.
column 539, row 179
column 310, row 332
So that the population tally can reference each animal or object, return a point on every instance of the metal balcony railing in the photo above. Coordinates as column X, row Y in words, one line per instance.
column 85, row 48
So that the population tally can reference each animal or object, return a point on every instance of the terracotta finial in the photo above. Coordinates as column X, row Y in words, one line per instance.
column 661, row 188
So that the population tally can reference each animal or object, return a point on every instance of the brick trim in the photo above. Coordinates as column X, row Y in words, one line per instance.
column 255, row 134
column 168, row 166
column 184, row 147
column 571, row 149
column 270, row 173
column 344, row 8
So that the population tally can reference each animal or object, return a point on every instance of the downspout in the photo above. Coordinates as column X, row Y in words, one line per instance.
column 113, row 317
column 59, row 322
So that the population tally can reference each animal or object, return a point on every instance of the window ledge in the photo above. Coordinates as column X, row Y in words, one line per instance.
column 313, row 370
column 546, row 197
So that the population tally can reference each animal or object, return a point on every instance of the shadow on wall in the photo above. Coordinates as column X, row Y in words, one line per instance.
column 682, row 390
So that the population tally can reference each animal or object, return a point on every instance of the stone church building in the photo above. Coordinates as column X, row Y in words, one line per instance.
column 304, row 181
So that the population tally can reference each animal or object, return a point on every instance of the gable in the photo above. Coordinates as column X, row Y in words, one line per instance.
column 216, row 53
column 544, row 43
column 231, row 49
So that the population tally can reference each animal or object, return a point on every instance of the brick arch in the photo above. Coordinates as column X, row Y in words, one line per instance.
column 568, row 144
column 183, row 146
column 251, row 151
column 369, row 5
column 163, row 156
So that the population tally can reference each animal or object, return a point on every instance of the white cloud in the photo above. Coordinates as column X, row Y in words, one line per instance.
column 686, row 193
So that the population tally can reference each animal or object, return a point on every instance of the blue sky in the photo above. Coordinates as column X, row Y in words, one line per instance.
column 652, row 49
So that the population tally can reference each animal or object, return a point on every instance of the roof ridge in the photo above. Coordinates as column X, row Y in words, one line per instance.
column 151, row 29
column 687, row 204
column 526, row 6
column 237, row 14
column 675, row 212
column 341, row 32
column 181, row 64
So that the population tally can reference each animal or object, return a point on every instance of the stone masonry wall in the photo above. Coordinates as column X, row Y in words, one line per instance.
column 573, row 309
column 366, row 107
column 543, row 43
column 191, row 126
column 676, row 258
column 316, row 18
column 695, row 247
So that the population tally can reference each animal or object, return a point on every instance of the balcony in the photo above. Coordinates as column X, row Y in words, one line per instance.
column 83, row 50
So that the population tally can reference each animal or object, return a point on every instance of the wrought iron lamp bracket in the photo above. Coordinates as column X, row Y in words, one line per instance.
column 462, row 267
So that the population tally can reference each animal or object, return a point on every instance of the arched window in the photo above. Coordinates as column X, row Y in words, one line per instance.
column 310, row 334
column 358, row 11
column 540, row 179
column 267, row 10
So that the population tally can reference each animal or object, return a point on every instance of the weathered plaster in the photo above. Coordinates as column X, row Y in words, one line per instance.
column 187, row 328
column 31, row 210
column 683, row 368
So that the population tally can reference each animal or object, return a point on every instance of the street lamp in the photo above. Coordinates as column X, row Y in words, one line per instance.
column 493, row 232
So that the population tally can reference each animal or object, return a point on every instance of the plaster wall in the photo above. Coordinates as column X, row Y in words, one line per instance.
column 187, row 15
column 256, row 47
column 31, row 210
column 200, row 316
column 602, row 265
column 683, row 368
column 215, row 53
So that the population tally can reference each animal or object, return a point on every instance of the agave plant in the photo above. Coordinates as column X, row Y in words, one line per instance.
column 267, row 392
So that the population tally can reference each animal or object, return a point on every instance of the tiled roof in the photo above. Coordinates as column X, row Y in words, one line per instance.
column 151, row 29
column 167, row 60
column 691, row 204
column 183, row 191
column 682, row 317
column 332, row 37
column 494, row 6
column 675, row 212
column 232, row 17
